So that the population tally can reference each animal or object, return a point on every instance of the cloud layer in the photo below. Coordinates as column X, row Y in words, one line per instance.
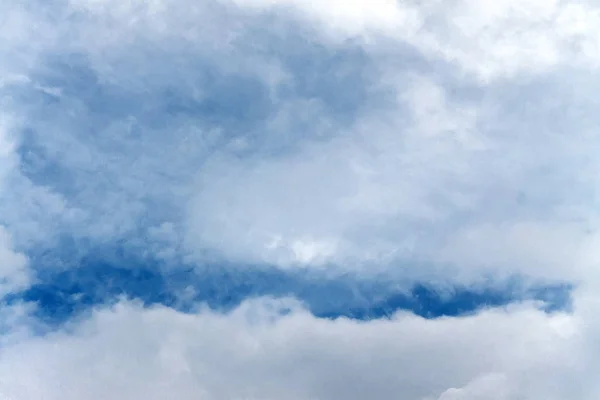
column 127, row 352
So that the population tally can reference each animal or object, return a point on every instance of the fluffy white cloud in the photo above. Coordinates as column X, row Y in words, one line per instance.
column 129, row 352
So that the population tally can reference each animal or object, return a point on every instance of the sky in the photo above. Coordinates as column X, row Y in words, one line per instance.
column 299, row 199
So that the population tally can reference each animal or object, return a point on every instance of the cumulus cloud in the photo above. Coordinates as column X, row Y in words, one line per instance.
column 255, row 352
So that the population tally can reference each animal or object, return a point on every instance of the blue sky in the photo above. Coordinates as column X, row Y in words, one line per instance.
column 293, row 199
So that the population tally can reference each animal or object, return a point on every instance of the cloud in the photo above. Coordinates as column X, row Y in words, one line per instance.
column 429, row 179
column 262, row 163
column 14, row 274
column 492, row 386
column 160, row 141
column 453, row 145
column 255, row 352
column 492, row 40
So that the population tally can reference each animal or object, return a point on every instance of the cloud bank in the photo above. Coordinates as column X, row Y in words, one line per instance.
column 254, row 352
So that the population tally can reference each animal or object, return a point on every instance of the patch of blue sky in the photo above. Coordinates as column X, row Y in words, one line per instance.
column 61, row 294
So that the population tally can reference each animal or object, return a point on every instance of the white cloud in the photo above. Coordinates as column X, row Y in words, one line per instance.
column 351, row 18
column 429, row 180
column 490, row 39
column 8, row 160
column 531, row 248
column 14, row 273
column 13, row 265
column 129, row 352
column 492, row 386
column 342, row 193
